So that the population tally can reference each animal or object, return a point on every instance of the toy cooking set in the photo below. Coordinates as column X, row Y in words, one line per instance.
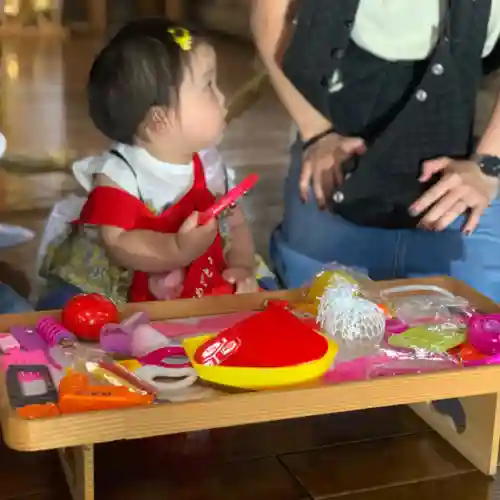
column 341, row 331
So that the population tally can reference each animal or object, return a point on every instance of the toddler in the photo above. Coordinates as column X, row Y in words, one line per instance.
column 152, row 91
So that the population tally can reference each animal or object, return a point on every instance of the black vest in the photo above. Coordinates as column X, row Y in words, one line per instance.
column 406, row 111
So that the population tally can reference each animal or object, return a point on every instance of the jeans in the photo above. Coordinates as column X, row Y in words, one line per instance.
column 11, row 302
column 57, row 297
column 308, row 238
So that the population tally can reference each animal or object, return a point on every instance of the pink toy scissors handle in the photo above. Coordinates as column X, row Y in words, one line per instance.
column 159, row 357
column 228, row 199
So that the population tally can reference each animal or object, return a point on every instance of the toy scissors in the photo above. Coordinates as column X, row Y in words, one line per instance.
column 168, row 370
column 161, row 357
column 228, row 200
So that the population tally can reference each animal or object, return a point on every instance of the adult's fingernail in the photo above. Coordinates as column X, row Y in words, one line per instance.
column 413, row 211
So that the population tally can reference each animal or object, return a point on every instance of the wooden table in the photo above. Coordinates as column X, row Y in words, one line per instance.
column 74, row 436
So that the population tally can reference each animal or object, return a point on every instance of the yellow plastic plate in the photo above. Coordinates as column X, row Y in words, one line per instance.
column 259, row 378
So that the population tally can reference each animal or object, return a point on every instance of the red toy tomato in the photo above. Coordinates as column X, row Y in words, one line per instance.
column 86, row 314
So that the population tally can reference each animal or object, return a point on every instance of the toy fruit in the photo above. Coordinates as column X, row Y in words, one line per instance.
column 323, row 280
column 86, row 314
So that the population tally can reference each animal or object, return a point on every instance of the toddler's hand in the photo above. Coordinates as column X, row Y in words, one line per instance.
column 193, row 240
column 167, row 286
column 243, row 278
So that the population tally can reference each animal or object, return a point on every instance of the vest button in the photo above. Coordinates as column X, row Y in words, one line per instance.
column 335, row 84
column 349, row 24
column 421, row 95
column 338, row 197
column 437, row 69
column 337, row 53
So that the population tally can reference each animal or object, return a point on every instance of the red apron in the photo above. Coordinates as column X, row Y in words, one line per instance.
column 108, row 206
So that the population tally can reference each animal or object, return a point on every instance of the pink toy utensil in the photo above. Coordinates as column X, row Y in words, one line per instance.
column 168, row 357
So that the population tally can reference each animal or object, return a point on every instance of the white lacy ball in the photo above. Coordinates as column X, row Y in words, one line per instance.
column 350, row 318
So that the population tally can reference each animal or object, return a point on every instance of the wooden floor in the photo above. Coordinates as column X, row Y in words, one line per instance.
column 373, row 455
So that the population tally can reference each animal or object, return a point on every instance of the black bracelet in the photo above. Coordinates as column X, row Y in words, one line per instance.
column 313, row 140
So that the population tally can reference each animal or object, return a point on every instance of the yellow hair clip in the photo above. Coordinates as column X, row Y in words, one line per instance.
column 182, row 37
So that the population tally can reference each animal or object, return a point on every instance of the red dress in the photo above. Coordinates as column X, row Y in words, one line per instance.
column 109, row 206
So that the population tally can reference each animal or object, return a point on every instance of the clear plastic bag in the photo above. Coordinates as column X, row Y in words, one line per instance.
column 400, row 362
column 102, row 369
column 432, row 319
column 391, row 362
column 432, row 305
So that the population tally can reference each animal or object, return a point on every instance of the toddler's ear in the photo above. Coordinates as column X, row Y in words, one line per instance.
column 156, row 120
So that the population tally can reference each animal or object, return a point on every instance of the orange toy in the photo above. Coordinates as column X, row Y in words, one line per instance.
column 467, row 352
column 32, row 412
column 77, row 395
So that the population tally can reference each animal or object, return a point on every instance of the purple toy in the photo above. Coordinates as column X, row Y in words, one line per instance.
column 117, row 339
column 483, row 332
column 29, row 340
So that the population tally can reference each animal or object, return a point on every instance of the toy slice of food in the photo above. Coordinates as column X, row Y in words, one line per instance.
column 422, row 337
column 77, row 395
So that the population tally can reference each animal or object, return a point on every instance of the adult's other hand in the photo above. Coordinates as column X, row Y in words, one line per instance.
column 322, row 164
column 463, row 188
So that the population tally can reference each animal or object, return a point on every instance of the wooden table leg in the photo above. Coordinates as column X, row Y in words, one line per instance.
column 478, row 440
column 78, row 466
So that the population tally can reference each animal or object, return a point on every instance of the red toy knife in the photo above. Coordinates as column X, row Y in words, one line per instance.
column 228, row 200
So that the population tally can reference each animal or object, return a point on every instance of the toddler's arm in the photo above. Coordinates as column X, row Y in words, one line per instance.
column 152, row 252
column 241, row 253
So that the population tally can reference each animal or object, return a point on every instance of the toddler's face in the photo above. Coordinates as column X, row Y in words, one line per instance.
column 201, row 110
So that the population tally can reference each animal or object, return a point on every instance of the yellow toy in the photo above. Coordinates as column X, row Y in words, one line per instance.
column 259, row 378
column 322, row 281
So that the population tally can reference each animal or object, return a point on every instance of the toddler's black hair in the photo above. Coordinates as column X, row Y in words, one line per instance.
column 141, row 66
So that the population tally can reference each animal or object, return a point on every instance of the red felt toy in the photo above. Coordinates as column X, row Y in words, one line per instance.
column 86, row 314
column 271, row 339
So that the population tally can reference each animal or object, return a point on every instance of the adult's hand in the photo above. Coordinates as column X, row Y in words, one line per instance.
column 322, row 164
column 463, row 188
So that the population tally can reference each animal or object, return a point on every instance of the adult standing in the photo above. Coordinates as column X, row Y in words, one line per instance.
column 385, row 174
